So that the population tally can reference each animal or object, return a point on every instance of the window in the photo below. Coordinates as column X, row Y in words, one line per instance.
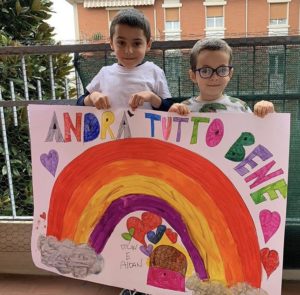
column 215, row 21
column 172, row 23
column 215, row 2
column 172, row 26
column 214, row 17
column 278, row 13
column 172, row 19
column 278, row 23
column 111, row 15
column 171, row 3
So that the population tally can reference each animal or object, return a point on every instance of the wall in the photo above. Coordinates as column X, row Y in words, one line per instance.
column 192, row 14
column 92, row 21
column 15, row 249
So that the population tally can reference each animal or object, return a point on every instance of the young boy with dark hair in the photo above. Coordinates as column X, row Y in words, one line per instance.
column 211, row 69
column 131, row 81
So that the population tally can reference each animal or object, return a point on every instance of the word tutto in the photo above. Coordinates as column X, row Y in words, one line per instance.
column 214, row 132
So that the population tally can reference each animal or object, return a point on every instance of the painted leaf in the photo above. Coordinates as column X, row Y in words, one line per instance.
column 127, row 236
column 131, row 231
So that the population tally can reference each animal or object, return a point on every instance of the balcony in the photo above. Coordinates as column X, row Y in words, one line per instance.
column 264, row 68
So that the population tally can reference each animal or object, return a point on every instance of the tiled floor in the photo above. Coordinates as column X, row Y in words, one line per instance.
column 55, row 285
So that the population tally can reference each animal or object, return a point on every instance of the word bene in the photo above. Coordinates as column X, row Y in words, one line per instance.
column 94, row 128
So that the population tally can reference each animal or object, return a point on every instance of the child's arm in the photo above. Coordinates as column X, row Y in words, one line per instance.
column 179, row 108
column 80, row 100
column 97, row 99
column 165, row 104
column 263, row 108
column 139, row 98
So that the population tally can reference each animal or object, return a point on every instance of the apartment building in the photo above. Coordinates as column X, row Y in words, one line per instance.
column 193, row 19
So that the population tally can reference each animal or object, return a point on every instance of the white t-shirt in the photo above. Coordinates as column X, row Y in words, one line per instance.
column 223, row 104
column 119, row 83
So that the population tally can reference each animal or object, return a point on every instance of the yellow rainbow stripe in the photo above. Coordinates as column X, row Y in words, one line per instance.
column 207, row 201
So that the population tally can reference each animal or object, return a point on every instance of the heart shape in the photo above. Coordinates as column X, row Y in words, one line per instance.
column 148, row 222
column 50, row 161
column 269, row 259
column 171, row 235
column 146, row 250
column 43, row 215
column 156, row 237
column 269, row 222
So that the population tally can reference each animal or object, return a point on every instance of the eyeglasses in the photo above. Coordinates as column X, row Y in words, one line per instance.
column 207, row 72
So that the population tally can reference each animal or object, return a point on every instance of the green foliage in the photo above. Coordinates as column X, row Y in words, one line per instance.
column 97, row 36
column 23, row 22
column 20, row 163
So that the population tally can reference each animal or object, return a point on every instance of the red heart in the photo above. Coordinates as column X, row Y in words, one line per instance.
column 269, row 260
column 171, row 235
column 43, row 215
column 148, row 222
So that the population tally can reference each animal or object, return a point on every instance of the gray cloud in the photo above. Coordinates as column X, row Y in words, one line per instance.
column 67, row 257
column 208, row 288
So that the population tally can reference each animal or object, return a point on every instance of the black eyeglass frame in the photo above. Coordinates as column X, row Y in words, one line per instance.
column 214, row 71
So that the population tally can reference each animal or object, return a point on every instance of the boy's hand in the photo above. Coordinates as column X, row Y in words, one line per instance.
column 139, row 98
column 263, row 108
column 98, row 100
column 179, row 108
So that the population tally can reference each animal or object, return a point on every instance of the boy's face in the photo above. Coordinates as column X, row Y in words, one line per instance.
column 130, row 45
column 213, row 87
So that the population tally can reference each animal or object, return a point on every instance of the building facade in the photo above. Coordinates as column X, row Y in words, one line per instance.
column 193, row 19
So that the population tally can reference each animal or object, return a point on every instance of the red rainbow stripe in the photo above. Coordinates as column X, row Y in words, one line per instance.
column 226, row 198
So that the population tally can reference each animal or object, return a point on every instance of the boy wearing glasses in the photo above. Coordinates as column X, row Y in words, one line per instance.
column 211, row 70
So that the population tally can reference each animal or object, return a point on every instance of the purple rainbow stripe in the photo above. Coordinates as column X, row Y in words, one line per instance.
column 135, row 202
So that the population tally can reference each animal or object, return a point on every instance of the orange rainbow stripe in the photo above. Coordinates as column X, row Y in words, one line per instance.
column 225, row 233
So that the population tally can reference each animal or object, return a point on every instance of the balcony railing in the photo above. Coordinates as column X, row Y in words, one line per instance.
column 264, row 68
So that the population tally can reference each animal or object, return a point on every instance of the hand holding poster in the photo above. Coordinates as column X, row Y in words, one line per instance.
column 158, row 202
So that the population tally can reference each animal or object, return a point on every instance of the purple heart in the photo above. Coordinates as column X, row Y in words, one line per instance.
column 147, row 251
column 269, row 222
column 50, row 161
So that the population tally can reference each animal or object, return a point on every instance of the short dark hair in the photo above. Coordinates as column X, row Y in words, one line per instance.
column 133, row 18
column 212, row 44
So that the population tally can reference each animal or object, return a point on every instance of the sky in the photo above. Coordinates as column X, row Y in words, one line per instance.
column 63, row 21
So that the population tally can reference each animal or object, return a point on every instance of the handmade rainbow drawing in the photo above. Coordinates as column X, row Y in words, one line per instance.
column 175, row 217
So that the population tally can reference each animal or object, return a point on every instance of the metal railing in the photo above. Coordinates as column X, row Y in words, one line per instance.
column 265, row 68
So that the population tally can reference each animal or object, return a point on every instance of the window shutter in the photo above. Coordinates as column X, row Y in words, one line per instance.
column 112, row 14
column 212, row 11
column 278, row 10
column 172, row 14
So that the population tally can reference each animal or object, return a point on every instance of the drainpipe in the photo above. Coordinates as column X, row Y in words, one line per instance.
column 246, row 18
column 155, row 28
column 76, row 22
column 299, row 19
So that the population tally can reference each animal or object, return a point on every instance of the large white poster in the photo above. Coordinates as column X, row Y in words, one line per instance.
column 158, row 202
